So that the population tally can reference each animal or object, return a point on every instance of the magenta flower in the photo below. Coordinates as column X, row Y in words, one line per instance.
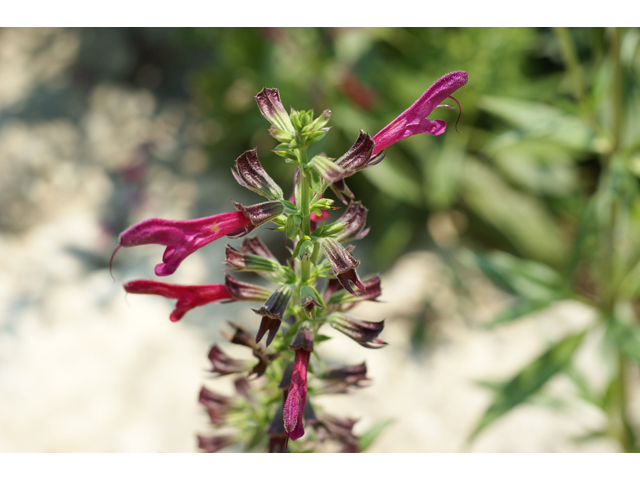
column 182, row 238
column 188, row 296
column 297, row 396
column 414, row 119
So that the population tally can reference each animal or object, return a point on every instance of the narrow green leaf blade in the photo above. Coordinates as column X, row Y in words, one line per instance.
column 529, row 380
column 370, row 436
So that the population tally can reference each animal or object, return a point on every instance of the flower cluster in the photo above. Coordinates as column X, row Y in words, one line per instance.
column 271, row 406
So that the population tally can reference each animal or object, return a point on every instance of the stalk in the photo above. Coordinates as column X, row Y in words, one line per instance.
column 305, row 270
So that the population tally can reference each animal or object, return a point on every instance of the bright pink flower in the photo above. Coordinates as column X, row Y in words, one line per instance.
column 302, row 345
column 413, row 120
column 297, row 396
column 182, row 238
column 188, row 296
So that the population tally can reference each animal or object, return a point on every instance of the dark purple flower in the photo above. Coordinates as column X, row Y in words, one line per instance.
column 355, row 218
column 414, row 119
column 264, row 356
column 182, row 238
column 272, row 312
column 342, row 263
column 254, row 246
column 272, row 109
column 244, row 291
column 337, row 298
column 214, row 443
column 223, row 364
column 188, row 296
column 340, row 378
column 217, row 405
column 249, row 173
column 362, row 331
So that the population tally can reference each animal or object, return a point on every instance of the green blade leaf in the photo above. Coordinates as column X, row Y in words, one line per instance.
column 522, row 308
column 529, row 380
column 370, row 436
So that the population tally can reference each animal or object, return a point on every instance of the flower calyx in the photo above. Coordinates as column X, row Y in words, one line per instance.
column 250, row 174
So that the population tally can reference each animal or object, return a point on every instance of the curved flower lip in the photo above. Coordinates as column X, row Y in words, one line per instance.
column 183, row 237
column 413, row 120
column 188, row 296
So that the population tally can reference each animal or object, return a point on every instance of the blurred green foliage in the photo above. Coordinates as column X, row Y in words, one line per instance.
column 539, row 191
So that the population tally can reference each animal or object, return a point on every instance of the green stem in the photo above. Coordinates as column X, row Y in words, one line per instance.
column 571, row 61
column 627, row 436
column 616, row 89
column 306, row 213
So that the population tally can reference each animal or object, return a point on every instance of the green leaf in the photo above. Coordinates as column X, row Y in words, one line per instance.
column 522, row 308
column 529, row 380
column 530, row 280
column 627, row 338
column 370, row 436
column 543, row 121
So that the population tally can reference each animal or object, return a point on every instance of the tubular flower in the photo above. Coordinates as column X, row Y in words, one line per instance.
column 296, row 398
column 339, row 299
column 362, row 331
column 340, row 378
column 245, row 291
column 215, row 443
column 343, row 264
column 272, row 312
column 413, row 120
column 272, row 109
column 355, row 217
column 249, row 173
column 223, row 364
column 188, row 296
column 217, row 405
column 182, row 238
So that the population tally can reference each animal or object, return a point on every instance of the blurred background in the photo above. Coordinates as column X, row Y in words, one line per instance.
column 509, row 252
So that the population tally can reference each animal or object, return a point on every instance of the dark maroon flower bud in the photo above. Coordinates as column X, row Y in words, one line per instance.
column 302, row 345
column 340, row 378
column 341, row 430
column 215, row 443
column 278, row 437
column 358, row 156
column 254, row 246
column 362, row 331
column 309, row 300
column 241, row 337
column 342, row 263
column 243, row 388
column 242, row 262
column 249, row 173
column 246, row 291
column 339, row 299
column 272, row 109
column 188, row 296
column 261, row 212
column 217, row 405
column 272, row 312
column 355, row 217
column 223, row 364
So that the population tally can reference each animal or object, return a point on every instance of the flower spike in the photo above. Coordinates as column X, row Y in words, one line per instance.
column 182, row 238
column 188, row 296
